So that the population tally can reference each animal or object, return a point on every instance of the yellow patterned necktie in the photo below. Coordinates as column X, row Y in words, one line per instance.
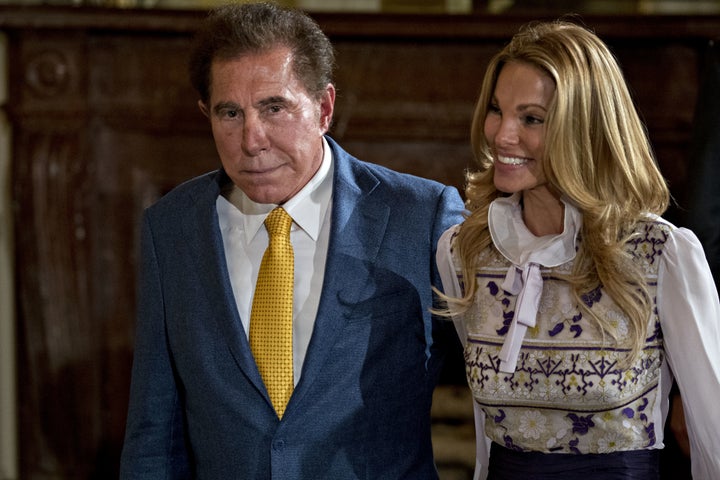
column 272, row 310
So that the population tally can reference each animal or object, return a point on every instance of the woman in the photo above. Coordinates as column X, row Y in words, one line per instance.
column 577, row 303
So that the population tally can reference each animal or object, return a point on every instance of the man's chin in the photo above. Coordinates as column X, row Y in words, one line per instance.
column 265, row 194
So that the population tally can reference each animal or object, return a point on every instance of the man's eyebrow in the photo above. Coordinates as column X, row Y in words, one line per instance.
column 272, row 100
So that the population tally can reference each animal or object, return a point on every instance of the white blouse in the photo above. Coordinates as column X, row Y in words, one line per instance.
column 533, row 309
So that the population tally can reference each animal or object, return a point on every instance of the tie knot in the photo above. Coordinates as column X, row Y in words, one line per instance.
column 278, row 223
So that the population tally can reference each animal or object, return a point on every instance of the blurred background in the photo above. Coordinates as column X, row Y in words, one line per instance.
column 97, row 121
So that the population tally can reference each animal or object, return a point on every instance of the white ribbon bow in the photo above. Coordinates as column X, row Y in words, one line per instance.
column 527, row 285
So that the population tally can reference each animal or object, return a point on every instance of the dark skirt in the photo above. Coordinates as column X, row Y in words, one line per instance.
column 508, row 464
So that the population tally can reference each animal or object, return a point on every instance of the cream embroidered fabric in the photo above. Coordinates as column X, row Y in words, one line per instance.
column 565, row 392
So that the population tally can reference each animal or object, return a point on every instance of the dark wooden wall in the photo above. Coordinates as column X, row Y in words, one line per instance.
column 104, row 122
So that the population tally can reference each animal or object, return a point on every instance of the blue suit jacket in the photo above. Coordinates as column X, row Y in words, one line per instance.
column 198, row 406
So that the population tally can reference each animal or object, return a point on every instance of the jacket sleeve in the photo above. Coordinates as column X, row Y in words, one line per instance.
column 448, row 212
column 155, row 445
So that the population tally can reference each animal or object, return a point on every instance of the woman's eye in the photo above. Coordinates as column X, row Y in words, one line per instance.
column 493, row 108
column 532, row 120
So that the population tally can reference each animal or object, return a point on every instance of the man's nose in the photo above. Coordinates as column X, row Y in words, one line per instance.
column 254, row 139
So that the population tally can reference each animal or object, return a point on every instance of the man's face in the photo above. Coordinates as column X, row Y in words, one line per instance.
column 267, row 128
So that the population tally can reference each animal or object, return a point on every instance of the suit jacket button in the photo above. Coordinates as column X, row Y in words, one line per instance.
column 278, row 444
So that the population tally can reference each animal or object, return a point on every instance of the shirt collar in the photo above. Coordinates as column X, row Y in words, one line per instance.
column 307, row 208
column 516, row 243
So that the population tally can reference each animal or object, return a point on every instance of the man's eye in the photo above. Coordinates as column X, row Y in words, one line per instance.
column 231, row 113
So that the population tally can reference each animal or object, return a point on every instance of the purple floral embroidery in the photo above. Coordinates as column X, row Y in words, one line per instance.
column 628, row 412
column 577, row 329
column 573, row 446
column 507, row 320
column 510, row 444
column 557, row 329
column 650, row 430
column 581, row 424
column 591, row 297
column 655, row 243
column 507, row 316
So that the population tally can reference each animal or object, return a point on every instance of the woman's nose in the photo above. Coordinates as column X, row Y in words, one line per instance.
column 507, row 133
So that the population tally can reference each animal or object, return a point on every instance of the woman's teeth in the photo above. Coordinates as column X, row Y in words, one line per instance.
column 511, row 160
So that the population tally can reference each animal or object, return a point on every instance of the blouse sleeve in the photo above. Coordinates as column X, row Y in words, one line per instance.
column 689, row 312
column 448, row 276
column 445, row 264
column 451, row 288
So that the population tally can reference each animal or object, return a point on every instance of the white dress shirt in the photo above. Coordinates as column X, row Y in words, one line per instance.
column 245, row 240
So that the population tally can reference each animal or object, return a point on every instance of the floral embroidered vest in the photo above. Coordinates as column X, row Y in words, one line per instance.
column 567, row 393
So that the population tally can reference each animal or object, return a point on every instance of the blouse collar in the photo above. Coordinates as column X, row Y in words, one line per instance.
column 527, row 253
column 516, row 243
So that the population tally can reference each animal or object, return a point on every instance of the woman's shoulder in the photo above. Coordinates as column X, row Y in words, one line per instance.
column 655, row 235
column 448, row 235
column 654, row 229
column 657, row 226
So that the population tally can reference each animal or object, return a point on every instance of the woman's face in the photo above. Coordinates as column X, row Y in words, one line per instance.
column 515, row 127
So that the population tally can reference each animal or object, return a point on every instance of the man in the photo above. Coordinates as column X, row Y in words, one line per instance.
column 364, row 348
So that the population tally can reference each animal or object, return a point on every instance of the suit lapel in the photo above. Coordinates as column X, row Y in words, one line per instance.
column 357, row 228
column 205, row 240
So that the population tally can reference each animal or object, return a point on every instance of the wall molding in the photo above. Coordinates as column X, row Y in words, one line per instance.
column 8, row 405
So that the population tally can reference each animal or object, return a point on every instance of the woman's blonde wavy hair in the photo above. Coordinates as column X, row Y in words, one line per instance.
column 597, row 154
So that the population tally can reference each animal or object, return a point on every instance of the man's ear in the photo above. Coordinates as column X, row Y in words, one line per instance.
column 327, row 106
column 203, row 108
